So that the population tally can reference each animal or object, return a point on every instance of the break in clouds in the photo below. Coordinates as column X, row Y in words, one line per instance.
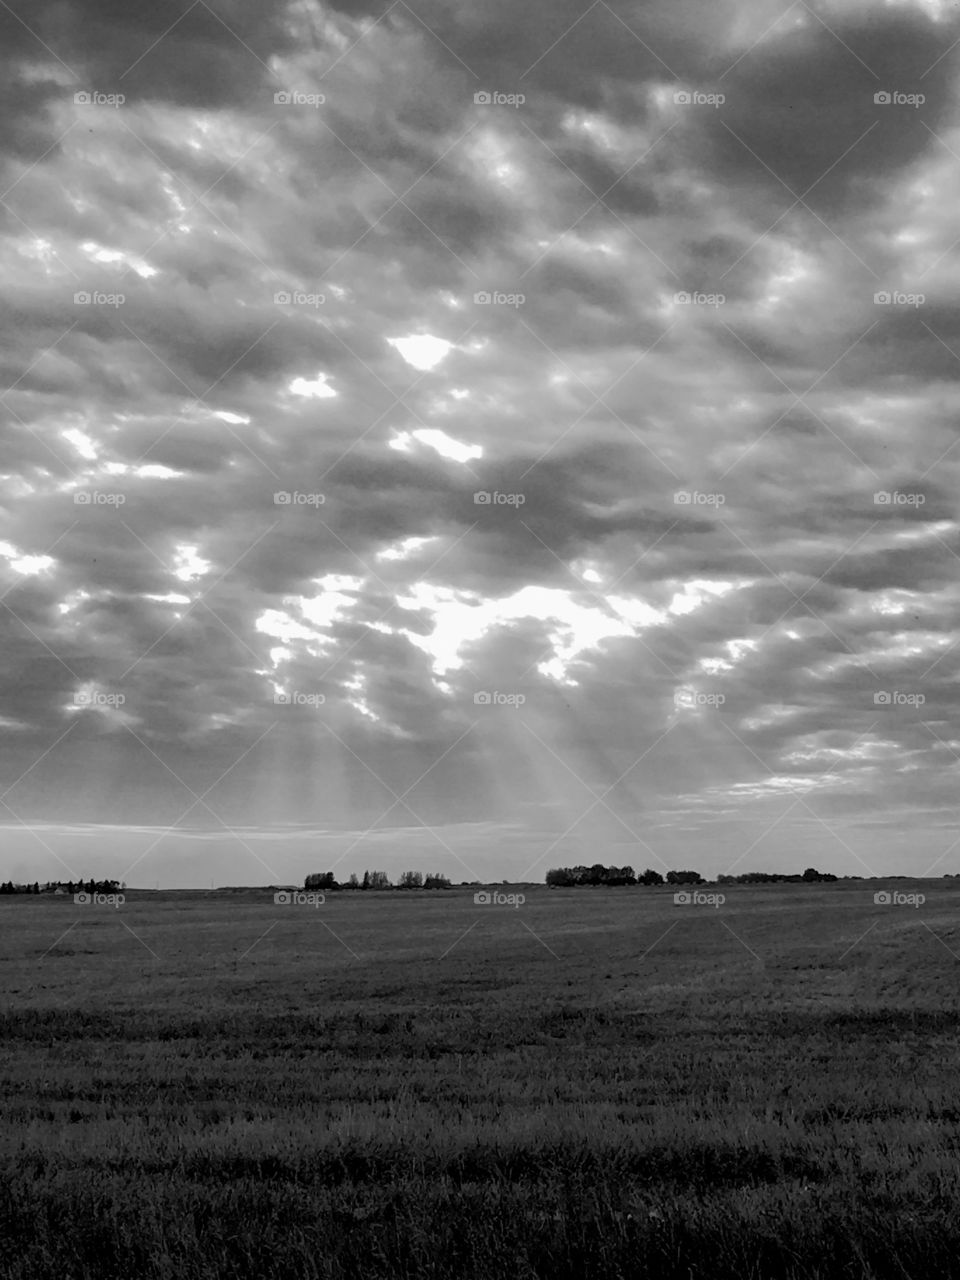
column 503, row 438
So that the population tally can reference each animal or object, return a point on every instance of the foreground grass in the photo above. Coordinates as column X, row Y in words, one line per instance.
column 596, row 1085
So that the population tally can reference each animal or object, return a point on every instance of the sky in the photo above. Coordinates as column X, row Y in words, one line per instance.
column 478, row 439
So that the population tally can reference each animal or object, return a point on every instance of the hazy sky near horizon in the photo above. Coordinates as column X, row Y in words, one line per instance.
column 675, row 285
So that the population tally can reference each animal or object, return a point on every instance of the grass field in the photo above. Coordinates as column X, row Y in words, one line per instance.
column 598, row 1083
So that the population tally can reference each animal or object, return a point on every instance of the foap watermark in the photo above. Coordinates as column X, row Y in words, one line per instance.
column 484, row 498
column 695, row 898
column 685, row 299
column 91, row 98
column 491, row 98
column 894, row 498
column 296, row 898
column 294, row 98
column 297, row 499
column 493, row 898
column 894, row 698
column 496, row 299
column 694, row 498
column 496, row 699
column 697, row 98
column 96, row 698
column 894, row 98
column 115, row 900
column 97, row 498
column 896, row 298
column 297, row 698
column 894, row 898
column 298, row 298
column 694, row 698
column 82, row 298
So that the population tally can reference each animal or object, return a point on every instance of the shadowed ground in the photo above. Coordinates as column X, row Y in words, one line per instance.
column 597, row 1084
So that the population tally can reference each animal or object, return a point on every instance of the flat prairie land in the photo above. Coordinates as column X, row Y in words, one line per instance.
column 595, row 1083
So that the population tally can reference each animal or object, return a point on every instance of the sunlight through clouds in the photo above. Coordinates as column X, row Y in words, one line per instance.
column 613, row 436
column 423, row 351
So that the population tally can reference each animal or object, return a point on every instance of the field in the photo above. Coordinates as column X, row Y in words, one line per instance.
column 597, row 1083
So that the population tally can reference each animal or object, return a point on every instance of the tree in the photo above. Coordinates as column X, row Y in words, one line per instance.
column 353, row 882
column 321, row 880
column 620, row 876
column 651, row 877
column 366, row 880
column 560, row 877
column 566, row 877
column 436, row 881
column 811, row 874
column 411, row 880
column 684, row 877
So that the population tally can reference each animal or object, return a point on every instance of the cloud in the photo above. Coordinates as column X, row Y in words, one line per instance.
column 326, row 414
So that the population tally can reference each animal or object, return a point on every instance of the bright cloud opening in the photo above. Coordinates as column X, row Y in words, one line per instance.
column 422, row 350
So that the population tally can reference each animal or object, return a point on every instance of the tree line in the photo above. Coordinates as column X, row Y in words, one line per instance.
column 66, row 886
column 810, row 876
column 327, row 882
column 567, row 877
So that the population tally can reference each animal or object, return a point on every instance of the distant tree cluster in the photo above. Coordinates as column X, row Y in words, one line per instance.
column 66, row 886
column 567, row 877
column 810, row 876
column 321, row 880
column 326, row 881
column 417, row 880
